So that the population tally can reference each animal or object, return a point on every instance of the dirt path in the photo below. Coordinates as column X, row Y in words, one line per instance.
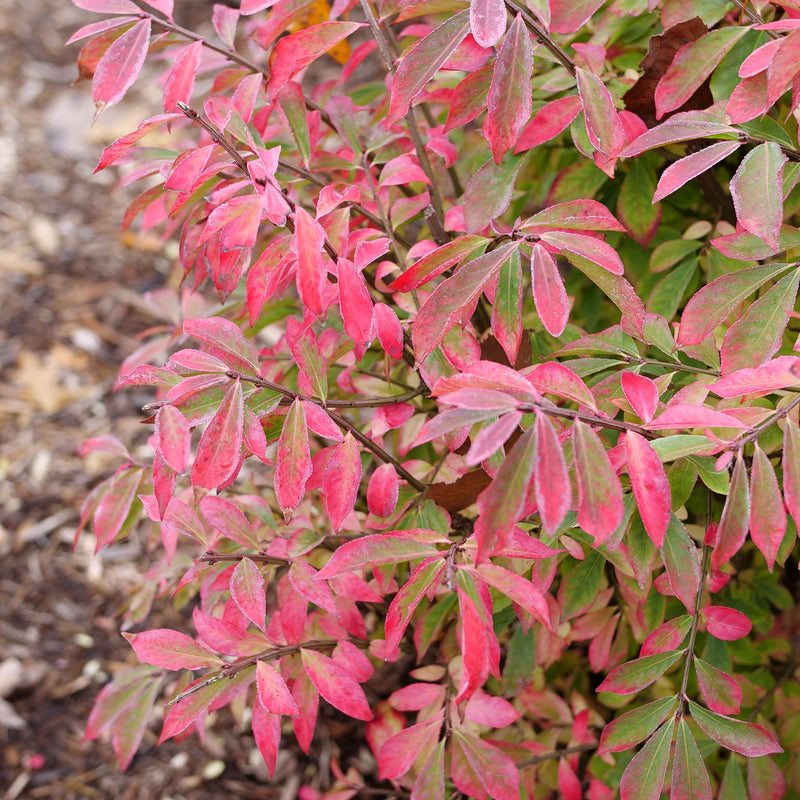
column 68, row 299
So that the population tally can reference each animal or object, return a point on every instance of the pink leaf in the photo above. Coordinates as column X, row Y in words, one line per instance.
column 480, row 770
column 678, row 128
column 552, row 487
column 113, row 509
column 247, row 591
column 120, row 66
column 487, row 21
column 488, row 710
column 397, row 755
column 502, row 502
column 124, row 143
column 273, row 693
column 509, row 105
column 219, row 454
column 454, row 300
column 767, row 514
column 436, row 262
column 355, row 305
column 686, row 415
column 760, row 380
column 376, row 549
column 549, row 294
column 588, row 247
column 171, row 650
column 518, row 589
column 292, row 461
column 733, row 524
column 335, row 684
column 492, row 437
column 668, row 636
column 227, row 342
column 266, row 728
column 423, row 61
column 382, row 490
column 745, row 738
column 727, row 624
column 689, row 167
column 179, row 81
column 756, row 189
column 575, row 215
column 600, row 507
column 692, row 64
column 719, row 690
column 569, row 785
column 603, row 124
column 650, row 486
column 765, row 779
column 172, row 432
column 341, row 480
column 552, row 377
column 791, row 469
column 302, row 577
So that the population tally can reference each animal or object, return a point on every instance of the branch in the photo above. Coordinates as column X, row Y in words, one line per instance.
column 542, row 36
column 213, row 558
column 738, row 444
column 557, row 753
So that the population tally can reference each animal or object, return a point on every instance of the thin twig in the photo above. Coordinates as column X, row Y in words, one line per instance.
column 543, row 36
column 213, row 558
column 557, row 753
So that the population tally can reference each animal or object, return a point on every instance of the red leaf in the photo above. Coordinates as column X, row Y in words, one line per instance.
column 292, row 461
column 726, row 623
column 179, row 80
column 767, row 514
column 488, row 710
column 689, row 167
column 480, row 770
column 492, row 437
column 383, row 490
column 650, row 486
column 355, row 305
column 417, row 696
column 171, row 650
column 756, row 189
column 745, row 738
column 569, row 786
column 436, row 262
column 550, row 120
column 335, row 684
column 761, row 380
column 423, row 61
column 341, row 480
column 600, row 507
column 575, row 215
column 603, row 124
column 733, row 525
column 273, row 693
column 469, row 98
column 295, row 52
column 219, row 454
column 509, row 104
column 552, row 488
column 120, row 66
column 641, row 393
column 389, row 330
column 501, row 504
column 518, row 589
column 552, row 377
column 678, row 128
column 720, row 691
column 487, row 21
column 124, row 143
column 549, row 294
column 308, row 243
column 668, row 636
column 266, row 728
column 302, row 576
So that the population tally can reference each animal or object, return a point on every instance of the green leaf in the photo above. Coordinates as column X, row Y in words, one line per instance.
column 732, row 787
column 745, row 738
column 488, row 193
column 641, row 550
column 681, row 558
column 717, row 481
column 667, row 295
column 579, row 589
column 689, row 774
column 682, row 478
column 507, row 307
column 757, row 335
column 632, row 727
column 671, row 448
column 644, row 776
column 635, row 205
column 633, row 676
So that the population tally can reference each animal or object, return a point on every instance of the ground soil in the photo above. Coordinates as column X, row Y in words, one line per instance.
column 70, row 312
